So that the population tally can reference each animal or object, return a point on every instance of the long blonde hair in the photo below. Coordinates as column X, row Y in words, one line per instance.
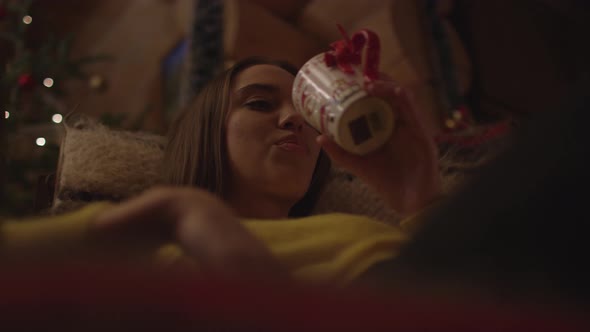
column 196, row 154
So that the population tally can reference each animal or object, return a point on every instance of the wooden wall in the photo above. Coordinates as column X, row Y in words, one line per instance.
column 523, row 53
column 138, row 34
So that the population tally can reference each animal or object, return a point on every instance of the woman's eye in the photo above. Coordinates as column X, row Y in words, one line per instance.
column 260, row 105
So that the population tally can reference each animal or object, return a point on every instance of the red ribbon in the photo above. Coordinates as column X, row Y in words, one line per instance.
column 346, row 53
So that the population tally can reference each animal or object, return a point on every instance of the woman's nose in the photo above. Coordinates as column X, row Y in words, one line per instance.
column 291, row 119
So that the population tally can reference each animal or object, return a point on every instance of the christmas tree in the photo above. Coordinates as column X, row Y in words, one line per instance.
column 32, row 87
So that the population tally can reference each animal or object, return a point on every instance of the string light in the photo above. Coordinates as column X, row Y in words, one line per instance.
column 48, row 82
column 450, row 123
column 57, row 118
column 27, row 19
column 6, row 114
column 40, row 141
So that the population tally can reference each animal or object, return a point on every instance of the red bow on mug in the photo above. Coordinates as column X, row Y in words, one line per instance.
column 346, row 53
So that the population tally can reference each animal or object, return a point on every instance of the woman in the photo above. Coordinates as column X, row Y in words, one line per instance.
column 254, row 157
column 242, row 140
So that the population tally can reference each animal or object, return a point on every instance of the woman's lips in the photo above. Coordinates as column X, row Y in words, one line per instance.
column 292, row 147
column 292, row 143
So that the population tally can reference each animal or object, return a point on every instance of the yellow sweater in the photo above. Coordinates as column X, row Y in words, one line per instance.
column 333, row 248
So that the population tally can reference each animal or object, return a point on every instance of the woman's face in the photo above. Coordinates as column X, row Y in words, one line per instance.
column 272, row 150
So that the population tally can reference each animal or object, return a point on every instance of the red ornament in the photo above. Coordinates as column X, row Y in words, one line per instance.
column 3, row 12
column 26, row 82
column 459, row 120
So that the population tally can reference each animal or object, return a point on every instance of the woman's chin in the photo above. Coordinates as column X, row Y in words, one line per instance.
column 294, row 161
column 290, row 185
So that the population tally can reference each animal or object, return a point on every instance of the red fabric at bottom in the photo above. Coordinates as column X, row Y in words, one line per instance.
column 122, row 299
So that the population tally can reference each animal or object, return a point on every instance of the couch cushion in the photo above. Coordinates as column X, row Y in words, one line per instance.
column 99, row 163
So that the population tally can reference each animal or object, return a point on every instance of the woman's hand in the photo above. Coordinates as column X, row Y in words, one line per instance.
column 405, row 170
column 203, row 225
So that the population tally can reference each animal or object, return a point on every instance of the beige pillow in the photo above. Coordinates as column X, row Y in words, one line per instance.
column 98, row 163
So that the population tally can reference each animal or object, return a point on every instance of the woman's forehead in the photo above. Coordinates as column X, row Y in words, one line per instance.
column 264, row 74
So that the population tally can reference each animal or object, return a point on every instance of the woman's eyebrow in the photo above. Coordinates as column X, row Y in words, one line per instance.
column 255, row 87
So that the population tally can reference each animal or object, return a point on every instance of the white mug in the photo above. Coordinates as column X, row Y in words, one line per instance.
column 334, row 101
